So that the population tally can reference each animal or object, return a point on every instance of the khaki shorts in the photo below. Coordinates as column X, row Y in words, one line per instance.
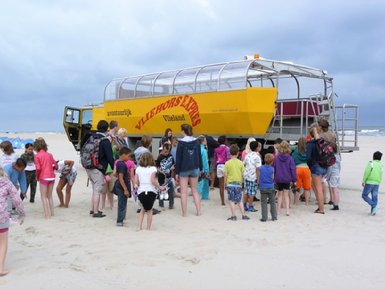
column 97, row 180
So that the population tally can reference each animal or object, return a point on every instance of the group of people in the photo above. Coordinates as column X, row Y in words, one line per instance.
column 182, row 164
column 18, row 173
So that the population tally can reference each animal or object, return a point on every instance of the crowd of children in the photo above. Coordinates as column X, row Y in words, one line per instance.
column 181, row 164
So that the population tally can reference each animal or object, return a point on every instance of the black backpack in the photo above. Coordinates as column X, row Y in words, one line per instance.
column 325, row 151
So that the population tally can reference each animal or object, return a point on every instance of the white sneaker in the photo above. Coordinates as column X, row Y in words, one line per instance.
column 165, row 196
column 161, row 196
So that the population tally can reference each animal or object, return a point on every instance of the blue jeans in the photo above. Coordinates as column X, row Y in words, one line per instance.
column 122, row 205
column 373, row 190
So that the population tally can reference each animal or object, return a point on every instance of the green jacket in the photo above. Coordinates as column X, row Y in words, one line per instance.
column 373, row 173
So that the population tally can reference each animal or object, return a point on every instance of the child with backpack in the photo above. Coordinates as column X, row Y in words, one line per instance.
column 371, row 181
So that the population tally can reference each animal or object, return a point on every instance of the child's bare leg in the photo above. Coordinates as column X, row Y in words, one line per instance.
column 68, row 196
column 50, row 198
column 232, row 208
column 222, row 190
column 318, row 192
column 242, row 209
column 212, row 180
column 104, row 195
column 59, row 191
column 44, row 200
column 197, row 200
column 307, row 196
column 140, row 220
column 287, row 201
column 110, row 197
column 250, row 200
column 183, row 191
column 336, row 196
column 279, row 201
column 3, row 252
column 149, row 219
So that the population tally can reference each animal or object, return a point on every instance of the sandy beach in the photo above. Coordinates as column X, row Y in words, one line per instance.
column 341, row 249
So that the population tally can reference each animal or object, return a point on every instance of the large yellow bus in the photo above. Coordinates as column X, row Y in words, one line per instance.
column 255, row 97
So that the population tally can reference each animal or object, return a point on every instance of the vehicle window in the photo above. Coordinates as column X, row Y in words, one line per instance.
column 87, row 116
column 72, row 116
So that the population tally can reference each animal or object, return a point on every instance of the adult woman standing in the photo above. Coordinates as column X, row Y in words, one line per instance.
column 167, row 137
column 7, row 192
column 188, row 166
column 317, row 172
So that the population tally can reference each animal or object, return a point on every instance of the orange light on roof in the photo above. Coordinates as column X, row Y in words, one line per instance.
column 256, row 56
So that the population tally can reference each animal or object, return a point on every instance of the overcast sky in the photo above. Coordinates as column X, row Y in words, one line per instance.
column 57, row 53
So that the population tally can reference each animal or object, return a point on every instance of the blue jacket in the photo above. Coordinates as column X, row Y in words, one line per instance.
column 312, row 157
column 188, row 156
column 18, row 179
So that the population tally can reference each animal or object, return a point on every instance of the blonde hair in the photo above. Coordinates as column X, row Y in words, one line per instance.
column 247, row 148
column 284, row 148
column 269, row 159
column 1, row 172
column 122, row 131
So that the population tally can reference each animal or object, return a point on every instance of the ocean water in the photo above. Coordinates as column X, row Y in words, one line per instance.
column 368, row 131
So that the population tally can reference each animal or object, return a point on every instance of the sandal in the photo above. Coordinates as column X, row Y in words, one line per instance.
column 319, row 212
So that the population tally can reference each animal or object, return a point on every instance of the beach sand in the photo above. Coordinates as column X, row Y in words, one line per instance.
column 341, row 249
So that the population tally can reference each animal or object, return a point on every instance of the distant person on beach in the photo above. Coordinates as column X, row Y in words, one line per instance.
column 333, row 179
column 285, row 174
column 247, row 148
column 371, row 181
column 9, row 155
column 147, row 186
column 121, row 138
column 266, row 185
column 68, row 174
column 203, row 181
column 252, row 162
column 45, row 166
column 188, row 167
column 303, row 185
column 317, row 172
column 167, row 137
column 145, row 142
column 113, row 129
column 212, row 144
column 122, row 186
column 233, row 179
column 165, row 165
column 30, row 170
column 8, row 193
column 221, row 156
column 15, row 173
column 97, row 173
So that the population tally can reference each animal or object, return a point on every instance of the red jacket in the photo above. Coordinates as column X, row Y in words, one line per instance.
column 45, row 165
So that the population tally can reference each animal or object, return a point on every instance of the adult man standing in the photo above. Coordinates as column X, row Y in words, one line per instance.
column 99, row 147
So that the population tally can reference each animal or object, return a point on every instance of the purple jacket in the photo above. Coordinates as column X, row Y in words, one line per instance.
column 284, row 167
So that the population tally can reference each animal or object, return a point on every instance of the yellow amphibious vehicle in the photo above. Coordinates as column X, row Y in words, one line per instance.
column 256, row 97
